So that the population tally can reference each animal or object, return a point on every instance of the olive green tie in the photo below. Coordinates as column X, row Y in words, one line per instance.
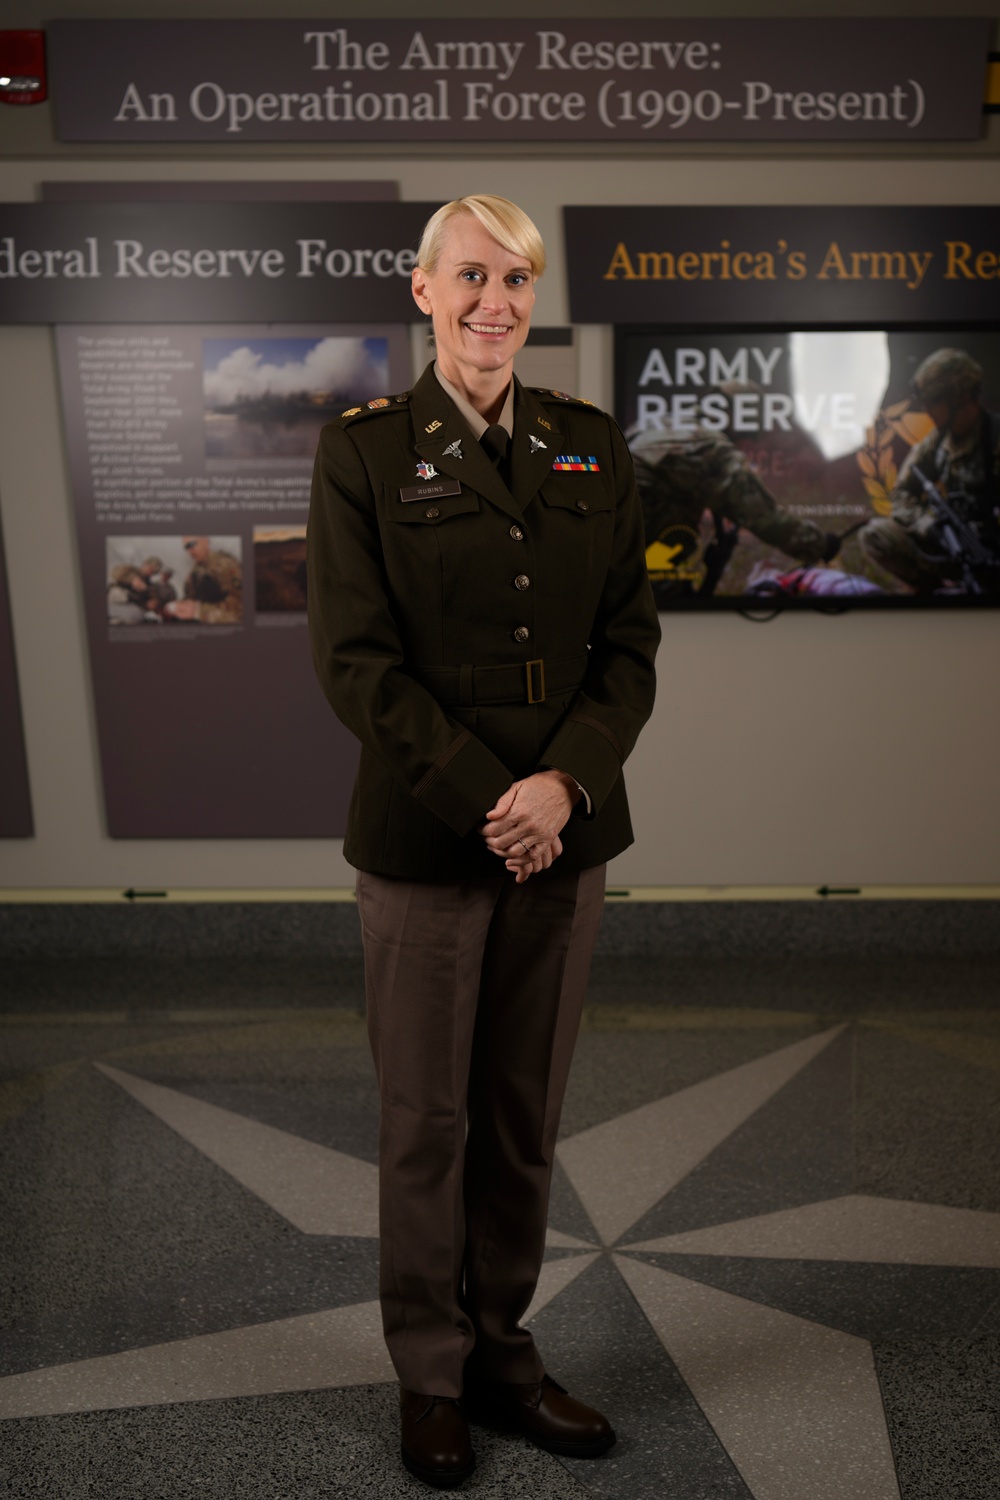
column 496, row 442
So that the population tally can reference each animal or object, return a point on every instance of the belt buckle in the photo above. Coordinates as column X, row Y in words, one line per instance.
column 534, row 697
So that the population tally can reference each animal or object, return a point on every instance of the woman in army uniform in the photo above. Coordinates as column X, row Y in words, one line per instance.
column 482, row 620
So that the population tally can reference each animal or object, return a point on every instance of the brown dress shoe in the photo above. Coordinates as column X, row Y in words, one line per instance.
column 435, row 1439
column 545, row 1413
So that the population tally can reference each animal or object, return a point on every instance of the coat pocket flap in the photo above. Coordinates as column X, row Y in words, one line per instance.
column 433, row 509
column 582, row 493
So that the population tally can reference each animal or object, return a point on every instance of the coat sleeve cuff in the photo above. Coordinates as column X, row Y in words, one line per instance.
column 588, row 751
column 463, row 784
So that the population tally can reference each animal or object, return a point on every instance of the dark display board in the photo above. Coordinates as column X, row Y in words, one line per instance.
column 773, row 467
column 794, row 267
column 500, row 79
column 191, row 451
column 15, row 795
column 157, row 262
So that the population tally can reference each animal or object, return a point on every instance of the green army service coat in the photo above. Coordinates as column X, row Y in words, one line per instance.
column 469, row 634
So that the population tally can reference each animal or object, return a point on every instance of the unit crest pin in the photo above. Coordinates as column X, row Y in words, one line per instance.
column 426, row 471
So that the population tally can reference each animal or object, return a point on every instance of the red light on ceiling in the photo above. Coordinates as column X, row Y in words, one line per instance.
column 22, row 67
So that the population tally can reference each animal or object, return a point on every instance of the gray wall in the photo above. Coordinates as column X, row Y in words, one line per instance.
column 859, row 749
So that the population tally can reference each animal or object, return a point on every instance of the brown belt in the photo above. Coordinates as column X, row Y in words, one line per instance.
column 518, row 682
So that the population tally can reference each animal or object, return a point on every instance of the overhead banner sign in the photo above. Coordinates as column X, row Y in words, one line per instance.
column 786, row 266
column 206, row 262
column 588, row 80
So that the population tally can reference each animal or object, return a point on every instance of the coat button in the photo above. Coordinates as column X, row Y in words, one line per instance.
column 522, row 581
column 432, row 513
column 521, row 634
column 581, row 505
column 517, row 533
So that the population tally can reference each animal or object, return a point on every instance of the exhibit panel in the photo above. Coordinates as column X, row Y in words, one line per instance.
column 740, row 709
column 191, row 452
column 773, row 466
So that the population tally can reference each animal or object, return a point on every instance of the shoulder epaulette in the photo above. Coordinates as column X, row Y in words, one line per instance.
column 537, row 390
column 377, row 404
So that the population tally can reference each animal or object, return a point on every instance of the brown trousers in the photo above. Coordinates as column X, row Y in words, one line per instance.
column 474, row 993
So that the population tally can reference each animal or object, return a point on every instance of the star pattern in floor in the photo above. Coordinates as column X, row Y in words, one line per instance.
column 722, row 1273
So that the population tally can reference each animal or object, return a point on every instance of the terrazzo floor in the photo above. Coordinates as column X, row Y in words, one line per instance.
column 774, row 1252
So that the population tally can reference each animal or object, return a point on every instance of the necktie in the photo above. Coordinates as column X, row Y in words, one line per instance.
column 496, row 442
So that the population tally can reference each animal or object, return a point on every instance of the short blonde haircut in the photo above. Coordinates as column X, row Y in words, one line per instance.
column 508, row 224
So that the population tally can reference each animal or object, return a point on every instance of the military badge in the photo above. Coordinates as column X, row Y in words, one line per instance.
column 430, row 491
column 433, row 426
column 454, row 450
column 572, row 463
column 562, row 395
column 351, row 412
column 379, row 401
column 536, row 444
column 426, row 471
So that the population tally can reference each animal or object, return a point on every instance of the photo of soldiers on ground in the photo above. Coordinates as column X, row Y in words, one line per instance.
column 815, row 465
column 138, row 593
column 162, row 580
column 279, row 566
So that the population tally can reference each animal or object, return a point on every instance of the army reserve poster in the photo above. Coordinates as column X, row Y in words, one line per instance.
column 815, row 468
column 191, row 453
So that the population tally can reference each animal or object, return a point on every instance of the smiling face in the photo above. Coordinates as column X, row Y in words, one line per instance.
column 479, row 297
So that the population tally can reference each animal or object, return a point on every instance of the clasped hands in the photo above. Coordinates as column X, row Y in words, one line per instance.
column 523, row 828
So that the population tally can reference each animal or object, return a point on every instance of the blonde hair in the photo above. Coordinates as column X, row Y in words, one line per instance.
column 508, row 224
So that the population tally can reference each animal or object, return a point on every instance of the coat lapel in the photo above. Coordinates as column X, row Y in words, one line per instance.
column 437, row 424
column 531, row 461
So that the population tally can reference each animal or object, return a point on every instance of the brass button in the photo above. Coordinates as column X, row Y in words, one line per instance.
column 521, row 634
column 522, row 581
column 581, row 505
column 432, row 513
column 517, row 533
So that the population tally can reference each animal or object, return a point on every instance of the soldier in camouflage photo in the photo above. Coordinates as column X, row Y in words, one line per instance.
column 681, row 474
column 943, row 534
column 213, row 590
